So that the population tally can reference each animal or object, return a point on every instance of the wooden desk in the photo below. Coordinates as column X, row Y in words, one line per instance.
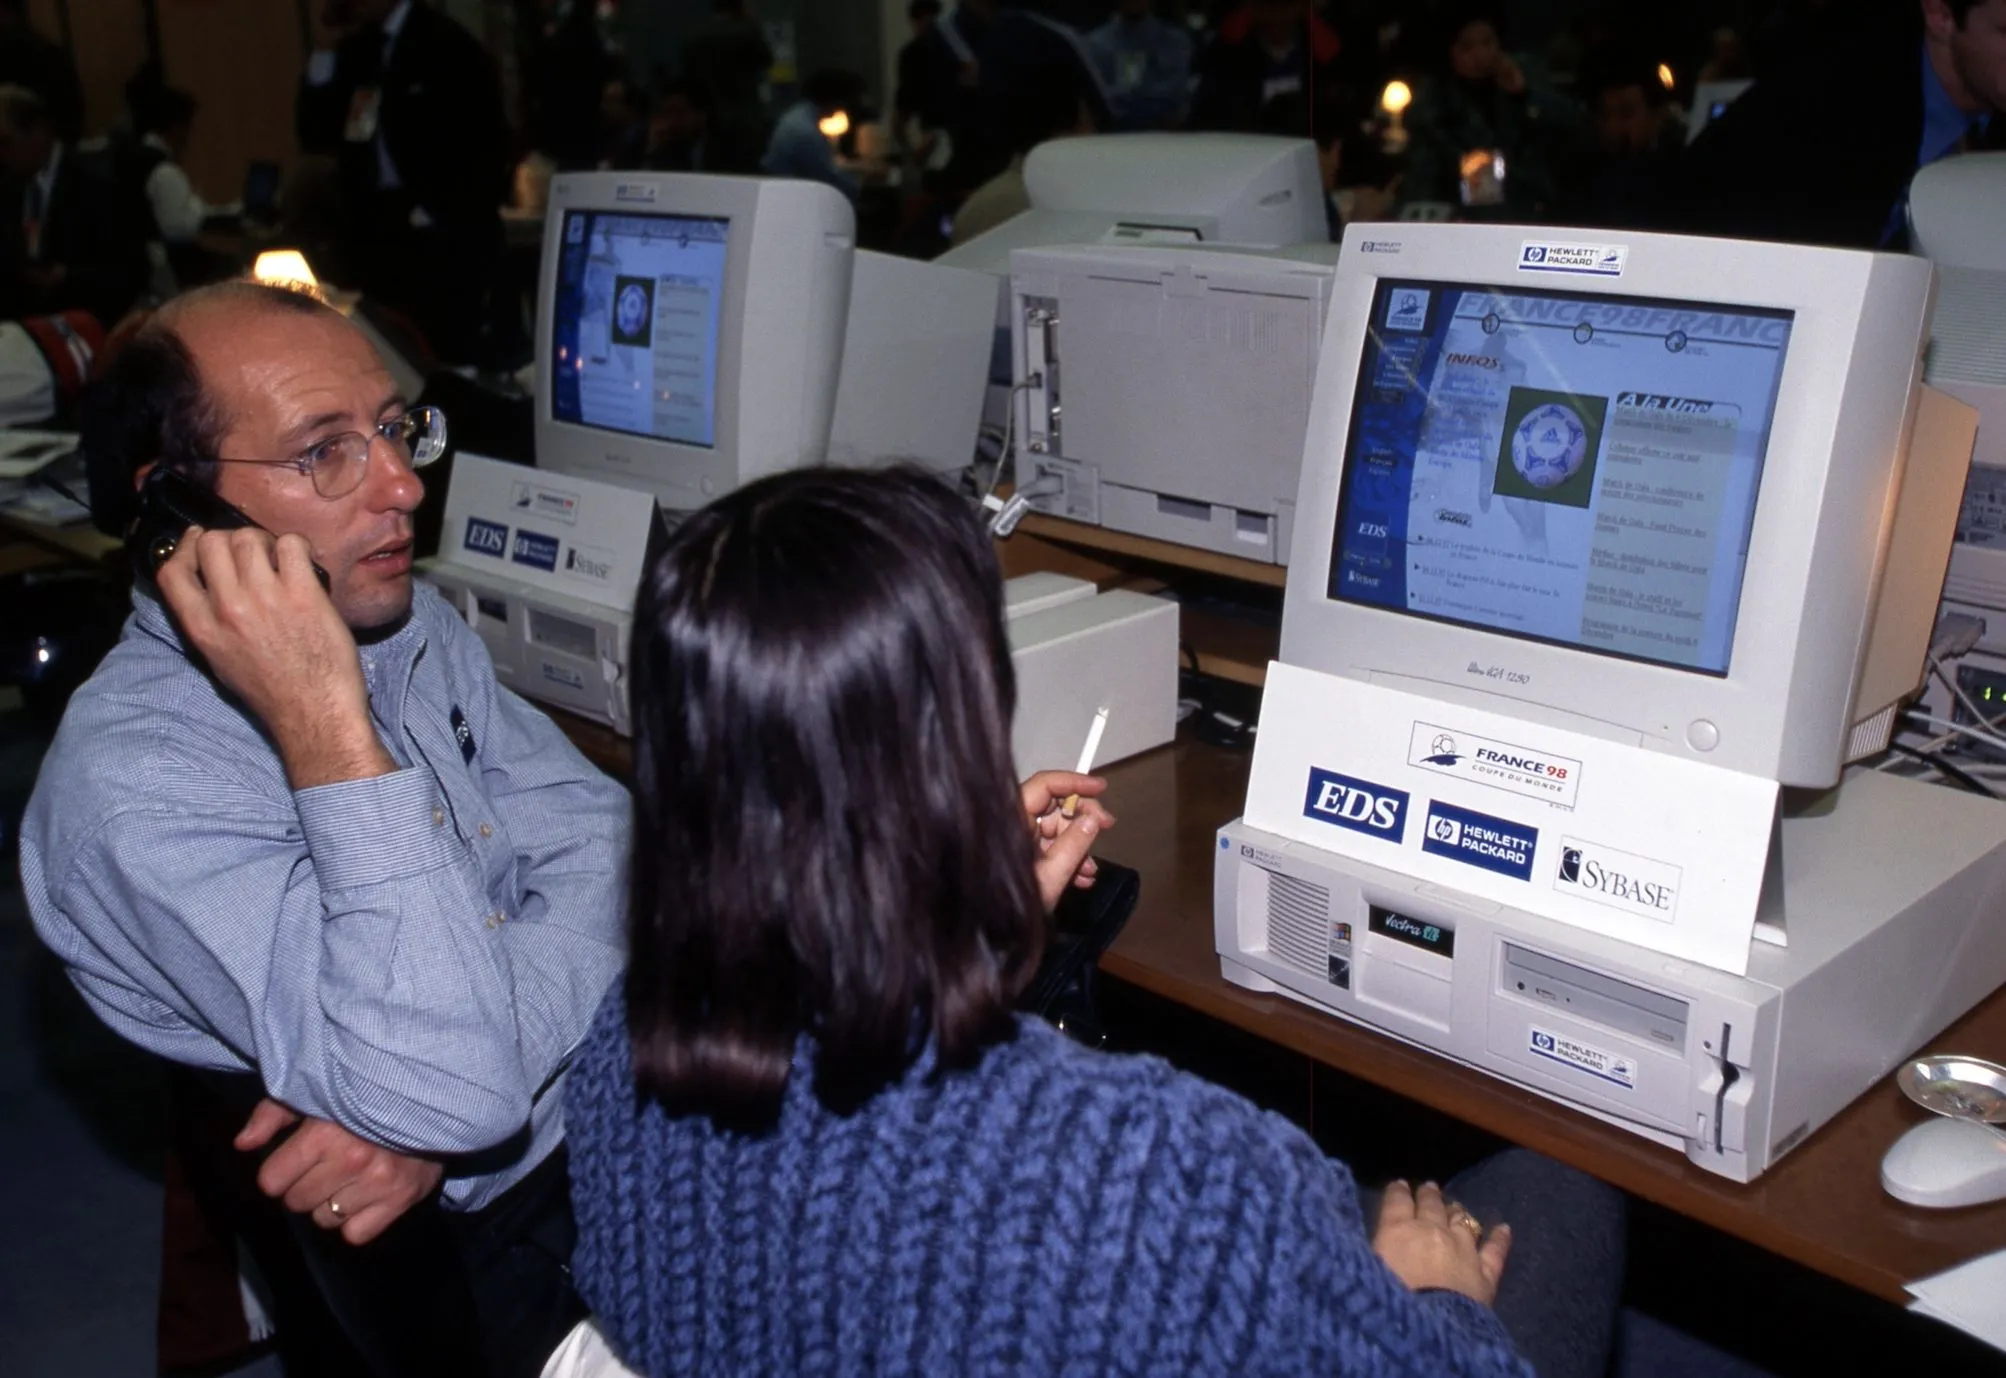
column 1822, row 1206
column 1119, row 545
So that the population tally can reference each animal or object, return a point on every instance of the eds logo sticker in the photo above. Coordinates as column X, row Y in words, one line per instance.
column 486, row 538
column 1360, row 805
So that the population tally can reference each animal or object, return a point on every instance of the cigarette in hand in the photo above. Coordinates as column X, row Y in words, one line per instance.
column 1087, row 752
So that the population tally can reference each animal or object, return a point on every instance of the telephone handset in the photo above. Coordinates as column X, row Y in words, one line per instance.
column 169, row 503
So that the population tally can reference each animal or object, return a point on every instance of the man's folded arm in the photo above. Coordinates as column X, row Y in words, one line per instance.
column 346, row 954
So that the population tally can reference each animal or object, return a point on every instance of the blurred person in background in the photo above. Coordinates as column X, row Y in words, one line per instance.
column 923, row 96
column 1026, row 52
column 163, row 118
column 1726, row 59
column 1263, row 50
column 729, row 55
column 623, row 124
column 799, row 148
column 1640, row 139
column 41, row 65
column 1145, row 63
column 945, row 75
column 565, row 75
column 1371, row 35
column 75, row 232
column 1490, row 135
column 1048, row 106
column 409, row 105
column 678, row 128
column 1822, row 149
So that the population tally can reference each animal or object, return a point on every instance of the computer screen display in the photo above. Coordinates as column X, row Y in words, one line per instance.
column 1570, row 467
column 635, row 324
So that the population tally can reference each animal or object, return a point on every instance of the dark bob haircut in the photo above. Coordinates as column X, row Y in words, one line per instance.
column 828, row 838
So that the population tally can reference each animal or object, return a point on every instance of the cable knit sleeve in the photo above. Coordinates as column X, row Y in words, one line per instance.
column 1338, row 1308
column 1053, row 1210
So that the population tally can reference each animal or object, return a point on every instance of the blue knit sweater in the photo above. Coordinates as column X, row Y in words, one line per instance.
column 1053, row 1211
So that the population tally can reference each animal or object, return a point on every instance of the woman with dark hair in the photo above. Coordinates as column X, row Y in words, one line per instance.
column 810, row 1135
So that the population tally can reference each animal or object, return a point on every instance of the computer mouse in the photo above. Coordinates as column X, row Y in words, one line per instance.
column 1946, row 1162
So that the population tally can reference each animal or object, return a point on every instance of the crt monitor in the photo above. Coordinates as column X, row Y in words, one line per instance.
column 1685, row 493
column 1956, row 206
column 689, row 329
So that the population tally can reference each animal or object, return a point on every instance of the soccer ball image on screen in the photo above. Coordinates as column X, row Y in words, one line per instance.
column 631, row 312
column 1550, row 445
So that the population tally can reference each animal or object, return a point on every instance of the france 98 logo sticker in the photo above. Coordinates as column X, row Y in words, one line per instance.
column 1521, row 770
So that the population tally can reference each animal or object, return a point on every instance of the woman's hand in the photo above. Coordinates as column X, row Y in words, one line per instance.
column 1064, row 843
column 1429, row 1242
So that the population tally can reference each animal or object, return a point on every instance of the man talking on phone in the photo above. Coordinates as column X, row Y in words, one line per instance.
column 301, row 843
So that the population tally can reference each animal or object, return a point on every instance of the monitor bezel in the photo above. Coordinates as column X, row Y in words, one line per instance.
column 1844, row 403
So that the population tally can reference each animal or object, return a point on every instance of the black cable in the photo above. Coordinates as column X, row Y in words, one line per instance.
column 63, row 489
column 1950, row 772
column 1213, row 723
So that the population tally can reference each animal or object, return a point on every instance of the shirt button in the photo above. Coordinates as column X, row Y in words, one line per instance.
column 497, row 919
column 487, row 831
column 438, row 818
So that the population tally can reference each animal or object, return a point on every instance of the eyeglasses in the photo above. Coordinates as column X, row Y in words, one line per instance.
column 337, row 464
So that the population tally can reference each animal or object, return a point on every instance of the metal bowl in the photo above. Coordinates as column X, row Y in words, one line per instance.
column 1964, row 1088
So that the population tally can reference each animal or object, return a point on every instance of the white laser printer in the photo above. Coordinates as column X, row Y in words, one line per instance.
column 1165, row 391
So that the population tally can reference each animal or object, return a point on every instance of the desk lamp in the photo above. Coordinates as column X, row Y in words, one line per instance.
column 1394, row 100
column 287, row 268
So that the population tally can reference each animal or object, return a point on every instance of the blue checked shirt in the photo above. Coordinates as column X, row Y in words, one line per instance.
column 413, row 956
